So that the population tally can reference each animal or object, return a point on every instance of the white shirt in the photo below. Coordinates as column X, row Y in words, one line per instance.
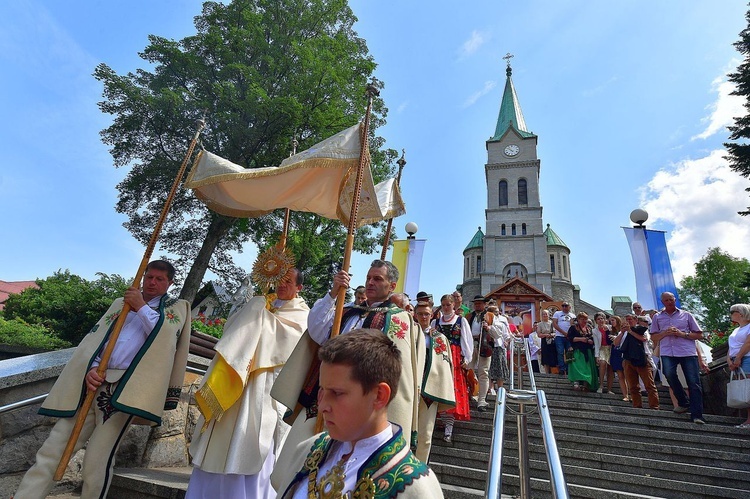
column 138, row 325
column 320, row 320
column 737, row 339
column 563, row 321
column 363, row 449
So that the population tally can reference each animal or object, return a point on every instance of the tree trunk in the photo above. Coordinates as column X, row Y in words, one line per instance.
column 218, row 228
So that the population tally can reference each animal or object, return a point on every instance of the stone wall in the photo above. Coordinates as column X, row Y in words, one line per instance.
column 22, row 431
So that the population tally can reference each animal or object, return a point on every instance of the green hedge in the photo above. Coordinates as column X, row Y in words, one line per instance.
column 18, row 332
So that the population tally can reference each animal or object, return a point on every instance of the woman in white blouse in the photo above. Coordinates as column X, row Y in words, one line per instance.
column 739, row 345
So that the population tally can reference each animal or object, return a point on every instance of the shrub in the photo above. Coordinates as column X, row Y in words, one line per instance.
column 19, row 333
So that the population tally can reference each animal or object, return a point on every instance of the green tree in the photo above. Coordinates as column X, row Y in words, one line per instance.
column 720, row 280
column 739, row 152
column 263, row 72
column 66, row 304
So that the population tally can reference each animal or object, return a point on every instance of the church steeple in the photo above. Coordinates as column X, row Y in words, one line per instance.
column 510, row 109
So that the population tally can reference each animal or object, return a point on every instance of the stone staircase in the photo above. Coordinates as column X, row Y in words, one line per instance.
column 607, row 448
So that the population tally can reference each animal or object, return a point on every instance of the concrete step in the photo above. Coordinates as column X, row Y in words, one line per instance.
column 149, row 483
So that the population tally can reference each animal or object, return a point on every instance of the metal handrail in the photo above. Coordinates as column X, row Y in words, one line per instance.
column 38, row 399
column 518, row 395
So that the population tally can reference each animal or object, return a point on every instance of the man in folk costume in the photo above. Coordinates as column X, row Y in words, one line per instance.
column 240, row 429
column 361, row 453
column 437, row 382
column 486, row 328
column 297, row 384
column 144, row 377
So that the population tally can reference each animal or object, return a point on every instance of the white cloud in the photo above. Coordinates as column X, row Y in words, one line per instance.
column 470, row 46
column 700, row 198
column 488, row 86
column 724, row 109
column 400, row 109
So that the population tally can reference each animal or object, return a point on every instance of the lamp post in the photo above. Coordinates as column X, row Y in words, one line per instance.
column 638, row 217
column 411, row 228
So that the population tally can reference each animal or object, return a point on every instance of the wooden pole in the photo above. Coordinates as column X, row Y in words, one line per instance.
column 387, row 239
column 372, row 91
column 101, row 370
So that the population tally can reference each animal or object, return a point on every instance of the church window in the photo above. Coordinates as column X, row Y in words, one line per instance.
column 466, row 272
column 522, row 197
column 523, row 229
column 503, row 193
column 479, row 265
column 513, row 229
column 565, row 266
column 552, row 263
column 502, row 230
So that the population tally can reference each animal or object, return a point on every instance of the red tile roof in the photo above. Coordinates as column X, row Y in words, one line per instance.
column 6, row 288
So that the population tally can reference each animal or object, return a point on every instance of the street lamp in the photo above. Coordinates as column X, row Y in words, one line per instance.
column 638, row 217
column 411, row 229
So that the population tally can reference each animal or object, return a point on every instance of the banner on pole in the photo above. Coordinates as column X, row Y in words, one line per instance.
column 407, row 257
column 653, row 270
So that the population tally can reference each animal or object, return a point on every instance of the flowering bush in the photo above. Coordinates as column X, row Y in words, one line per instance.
column 716, row 338
column 213, row 326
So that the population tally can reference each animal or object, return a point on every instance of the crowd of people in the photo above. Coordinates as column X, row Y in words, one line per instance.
column 292, row 408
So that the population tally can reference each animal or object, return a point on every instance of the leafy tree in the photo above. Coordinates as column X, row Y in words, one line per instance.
column 263, row 72
column 720, row 281
column 66, row 304
column 739, row 153
column 18, row 332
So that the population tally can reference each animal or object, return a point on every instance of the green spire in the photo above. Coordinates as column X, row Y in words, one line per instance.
column 510, row 110
column 553, row 239
column 477, row 241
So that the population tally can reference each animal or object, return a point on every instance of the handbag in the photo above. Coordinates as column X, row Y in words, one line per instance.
column 569, row 356
column 738, row 390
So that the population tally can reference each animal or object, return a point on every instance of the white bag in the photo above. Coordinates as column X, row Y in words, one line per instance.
column 738, row 390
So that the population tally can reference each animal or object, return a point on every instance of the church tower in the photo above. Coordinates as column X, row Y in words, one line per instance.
column 514, row 242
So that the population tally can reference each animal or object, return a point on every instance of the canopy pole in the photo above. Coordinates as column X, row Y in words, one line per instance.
column 387, row 239
column 101, row 370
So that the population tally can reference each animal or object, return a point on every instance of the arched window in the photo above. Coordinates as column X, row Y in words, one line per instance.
column 522, row 197
column 503, row 193
column 523, row 229
column 502, row 230
column 513, row 230
column 552, row 263
column 479, row 265
column 565, row 266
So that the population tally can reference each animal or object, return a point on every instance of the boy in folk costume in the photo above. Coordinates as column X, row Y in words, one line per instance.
column 241, row 429
column 437, row 382
column 144, row 377
column 361, row 454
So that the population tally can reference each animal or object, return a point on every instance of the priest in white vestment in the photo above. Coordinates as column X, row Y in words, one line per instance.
column 241, row 429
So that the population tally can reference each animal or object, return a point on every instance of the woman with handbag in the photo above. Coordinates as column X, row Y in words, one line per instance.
column 547, row 334
column 739, row 345
column 582, row 371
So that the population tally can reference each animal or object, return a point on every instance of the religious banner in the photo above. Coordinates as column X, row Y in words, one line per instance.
column 407, row 257
column 318, row 180
column 653, row 270
column 521, row 315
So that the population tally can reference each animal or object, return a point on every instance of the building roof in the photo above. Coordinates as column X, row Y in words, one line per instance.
column 15, row 287
column 510, row 115
column 621, row 299
column 477, row 241
column 553, row 239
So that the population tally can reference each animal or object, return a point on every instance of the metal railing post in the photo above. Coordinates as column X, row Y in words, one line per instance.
column 494, row 485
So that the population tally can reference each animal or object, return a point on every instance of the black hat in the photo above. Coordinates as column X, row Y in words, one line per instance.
column 423, row 296
column 479, row 298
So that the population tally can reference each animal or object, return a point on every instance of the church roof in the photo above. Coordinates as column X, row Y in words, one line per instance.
column 477, row 241
column 552, row 238
column 510, row 115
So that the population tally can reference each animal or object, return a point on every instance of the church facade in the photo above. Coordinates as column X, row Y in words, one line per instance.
column 516, row 244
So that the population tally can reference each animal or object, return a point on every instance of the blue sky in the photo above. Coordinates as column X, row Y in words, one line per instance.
column 629, row 100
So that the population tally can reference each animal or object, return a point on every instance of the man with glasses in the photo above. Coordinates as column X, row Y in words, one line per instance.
column 458, row 305
column 637, row 309
column 561, row 323
column 676, row 331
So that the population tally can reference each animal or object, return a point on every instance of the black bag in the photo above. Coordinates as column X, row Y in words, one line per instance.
column 633, row 350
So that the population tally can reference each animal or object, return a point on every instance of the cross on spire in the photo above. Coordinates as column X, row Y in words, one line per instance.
column 508, row 70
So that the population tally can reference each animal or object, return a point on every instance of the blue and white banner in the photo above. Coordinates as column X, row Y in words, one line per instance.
column 653, row 270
